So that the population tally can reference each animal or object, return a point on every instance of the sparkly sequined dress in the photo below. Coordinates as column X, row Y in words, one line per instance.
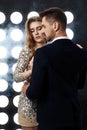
column 26, row 107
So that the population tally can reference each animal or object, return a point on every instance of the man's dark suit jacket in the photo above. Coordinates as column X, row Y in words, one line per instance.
column 54, row 83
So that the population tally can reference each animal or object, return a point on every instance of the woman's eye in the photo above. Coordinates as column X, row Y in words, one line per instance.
column 40, row 27
column 31, row 30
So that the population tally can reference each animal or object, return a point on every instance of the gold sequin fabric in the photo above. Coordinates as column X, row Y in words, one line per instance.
column 22, row 64
column 26, row 107
column 27, row 111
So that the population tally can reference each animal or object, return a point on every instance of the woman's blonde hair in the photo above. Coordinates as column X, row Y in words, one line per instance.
column 30, row 42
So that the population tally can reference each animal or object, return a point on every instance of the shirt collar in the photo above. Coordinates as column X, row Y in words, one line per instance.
column 63, row 37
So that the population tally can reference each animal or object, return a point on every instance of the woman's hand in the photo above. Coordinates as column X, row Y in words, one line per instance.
column 24, row 87
column 27, row 73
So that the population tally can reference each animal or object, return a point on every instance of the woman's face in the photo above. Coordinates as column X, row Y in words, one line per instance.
column 37, row 31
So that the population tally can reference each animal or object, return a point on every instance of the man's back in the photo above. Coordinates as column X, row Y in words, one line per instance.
column 58, row 67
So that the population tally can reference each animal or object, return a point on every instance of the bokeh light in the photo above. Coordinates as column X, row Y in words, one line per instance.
column 2, row 17
column 3, row 118
column 16, row 17
column 4, row 101
column 3, row 85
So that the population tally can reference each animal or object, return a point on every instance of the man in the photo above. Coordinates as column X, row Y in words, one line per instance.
column 57, row 69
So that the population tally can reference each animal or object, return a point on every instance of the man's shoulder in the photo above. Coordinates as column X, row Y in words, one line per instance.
column 43, row 48
column 42, row 52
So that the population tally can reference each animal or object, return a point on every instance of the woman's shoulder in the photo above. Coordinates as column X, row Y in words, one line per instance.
column 25, row 50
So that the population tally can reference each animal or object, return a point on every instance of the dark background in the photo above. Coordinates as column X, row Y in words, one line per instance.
column 77, row 7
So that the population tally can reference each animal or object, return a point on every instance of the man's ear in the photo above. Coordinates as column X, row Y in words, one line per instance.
column 56, row 26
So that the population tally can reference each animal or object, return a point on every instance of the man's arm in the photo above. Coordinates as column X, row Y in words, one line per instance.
column 82, row 79
column 39, row 72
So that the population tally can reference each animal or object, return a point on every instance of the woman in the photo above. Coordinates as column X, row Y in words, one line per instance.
column 35, row 39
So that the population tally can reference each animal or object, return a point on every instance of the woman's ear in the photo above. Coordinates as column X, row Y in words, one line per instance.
column 56, row 26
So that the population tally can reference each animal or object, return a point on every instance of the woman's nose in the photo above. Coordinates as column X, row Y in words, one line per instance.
column 36, row 31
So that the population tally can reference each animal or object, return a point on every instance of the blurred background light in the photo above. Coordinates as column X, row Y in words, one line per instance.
column 3, row 68
column 3, row 85
column 16, row 17
column 3, row 52
column 13, row 67
column 15, row 51
column 15, row 100
column 16, row 34
column 3, row 101
column 2, row 35
column 3, row 118
column 2, row 17
column 70, row 33
column 15, row 118
column 17, row 86
column 32, row 14
column 70, row 16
